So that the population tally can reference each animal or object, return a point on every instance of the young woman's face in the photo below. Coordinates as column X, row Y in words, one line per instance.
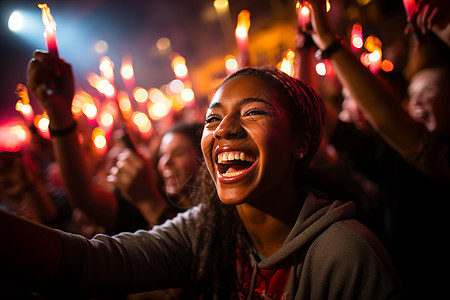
column 430, row 100
column 178, row 162
column 248, row 140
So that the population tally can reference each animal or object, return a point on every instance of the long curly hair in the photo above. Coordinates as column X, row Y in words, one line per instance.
column 220, row 231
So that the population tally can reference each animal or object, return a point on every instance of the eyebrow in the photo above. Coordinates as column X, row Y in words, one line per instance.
column 242, row 102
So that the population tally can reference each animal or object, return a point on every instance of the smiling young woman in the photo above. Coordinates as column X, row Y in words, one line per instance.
column 256, row 234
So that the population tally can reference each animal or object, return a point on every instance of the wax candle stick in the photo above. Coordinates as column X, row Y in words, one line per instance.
column 50, row 30
column 410, row 6
column 241, row 32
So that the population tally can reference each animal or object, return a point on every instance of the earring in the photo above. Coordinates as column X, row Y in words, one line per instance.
column 300, row 155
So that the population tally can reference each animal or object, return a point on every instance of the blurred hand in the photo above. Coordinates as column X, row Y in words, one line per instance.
column 51, row 80
column 133, row 176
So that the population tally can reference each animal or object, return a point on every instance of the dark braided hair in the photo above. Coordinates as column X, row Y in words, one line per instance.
column 221, row 230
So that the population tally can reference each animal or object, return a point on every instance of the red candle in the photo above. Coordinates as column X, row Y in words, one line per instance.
column 23, row 103
column 241, row 32
column 303, row 15
column 410, row 5
column 50, row 30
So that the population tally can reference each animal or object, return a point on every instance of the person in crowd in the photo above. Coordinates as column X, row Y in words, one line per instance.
column 22, row 192
column 417, row 182
column 256, row 233
column 410, row 138
column 178, row 160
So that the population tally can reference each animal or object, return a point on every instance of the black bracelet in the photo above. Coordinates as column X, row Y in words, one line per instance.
column 326, row 53
column 63, row 132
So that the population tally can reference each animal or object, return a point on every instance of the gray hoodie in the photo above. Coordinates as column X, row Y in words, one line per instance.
column 335, row 257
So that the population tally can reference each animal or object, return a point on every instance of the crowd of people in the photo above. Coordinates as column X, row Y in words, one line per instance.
column 276, row 195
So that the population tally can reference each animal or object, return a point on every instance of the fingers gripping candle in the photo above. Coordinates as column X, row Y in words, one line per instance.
column 50, row 30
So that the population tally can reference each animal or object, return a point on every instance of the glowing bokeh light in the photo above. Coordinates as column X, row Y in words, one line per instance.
column 176, row 86
column 99, row 140
column 163, row 44
column 159, row 110
column 187, row 95
column 220, row 4
column 231, row 64
column 155, row 95
column 387, row 65
column 140, row 94
column 16, row 21
column 142, row 122
column 90, row 110
column 12, row 137
column 101, row 46
column 321, row 69
column 106, row 119
column 127, row 71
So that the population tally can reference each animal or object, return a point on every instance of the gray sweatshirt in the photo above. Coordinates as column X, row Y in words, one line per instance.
column 335, row 257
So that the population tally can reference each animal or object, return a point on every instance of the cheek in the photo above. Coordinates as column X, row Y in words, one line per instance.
column 206, row 145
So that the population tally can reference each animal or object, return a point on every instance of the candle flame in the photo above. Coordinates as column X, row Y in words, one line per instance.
column 99, row 140
column 179, row 67
column 23, row 103
column 47, row 18
column 287, row 64
column 243, row 24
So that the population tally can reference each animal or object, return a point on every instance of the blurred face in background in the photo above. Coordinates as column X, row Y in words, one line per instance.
column 429, row 93
column 351, row 113
column 178, row 163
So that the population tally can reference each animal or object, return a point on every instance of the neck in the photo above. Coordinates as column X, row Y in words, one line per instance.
column 268, row 221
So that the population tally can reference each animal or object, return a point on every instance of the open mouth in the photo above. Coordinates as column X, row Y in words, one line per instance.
column 421, row 115
column 234, row 163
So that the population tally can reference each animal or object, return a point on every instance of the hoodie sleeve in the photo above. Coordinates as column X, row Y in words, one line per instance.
column 130, row 262
column 347, row 261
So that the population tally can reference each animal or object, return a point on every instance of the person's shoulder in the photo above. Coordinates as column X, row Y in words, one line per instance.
column 350, row 238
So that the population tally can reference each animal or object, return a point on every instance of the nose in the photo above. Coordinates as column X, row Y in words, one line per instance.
column 229, row 128
column 165, row 160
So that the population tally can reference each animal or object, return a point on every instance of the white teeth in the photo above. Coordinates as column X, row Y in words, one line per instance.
column 232, row 174
column 230, row 156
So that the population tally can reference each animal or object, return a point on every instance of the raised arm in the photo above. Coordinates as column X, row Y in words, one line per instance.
column 51, row 81
column 374, row 98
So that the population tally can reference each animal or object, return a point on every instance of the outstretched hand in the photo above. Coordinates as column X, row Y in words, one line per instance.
column 51, row 81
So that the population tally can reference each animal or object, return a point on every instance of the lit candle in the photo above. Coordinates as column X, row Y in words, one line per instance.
column 127, row 72
column 50, row 30
column 357, row 37
column 23, row 103
column 99, row 140
column 410, row 5
column 303, row 15
column 287, row 64
column 241, row 32
column 179, row 67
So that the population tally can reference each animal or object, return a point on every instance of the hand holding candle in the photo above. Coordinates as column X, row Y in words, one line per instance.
column 50, row 30
column 410, row 9
column 23, row 103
